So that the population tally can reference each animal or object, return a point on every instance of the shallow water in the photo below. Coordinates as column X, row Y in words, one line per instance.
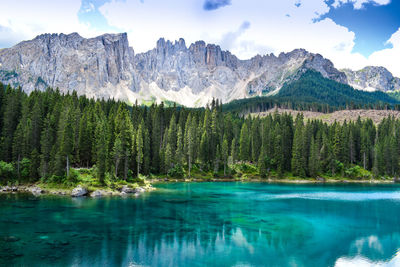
column 207, row 224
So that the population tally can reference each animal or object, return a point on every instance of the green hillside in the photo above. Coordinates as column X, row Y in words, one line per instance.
column 314, row 92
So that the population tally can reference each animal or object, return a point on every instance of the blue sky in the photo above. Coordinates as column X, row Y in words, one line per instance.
column 372, row 24
column 352, row 33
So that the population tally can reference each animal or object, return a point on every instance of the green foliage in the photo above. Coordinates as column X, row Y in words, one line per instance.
column 6, row 172
column 73, row 177
column 47, row 134
column 314, row 92
column 24, row 168
column 176, row 172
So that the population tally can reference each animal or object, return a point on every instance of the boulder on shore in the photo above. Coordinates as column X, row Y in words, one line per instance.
column 127, row 190
column 139, row 190
column 36, row 190
column 79, row 192
column 9, row 189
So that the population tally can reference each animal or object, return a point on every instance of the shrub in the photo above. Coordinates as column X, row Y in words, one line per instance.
column 6, row 171
column 176, row 172
column 73, row 177
column 24, row 168
column 56, row 179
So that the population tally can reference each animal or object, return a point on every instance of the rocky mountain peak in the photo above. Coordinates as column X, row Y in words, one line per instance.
column 105, row 66
column 372, row 78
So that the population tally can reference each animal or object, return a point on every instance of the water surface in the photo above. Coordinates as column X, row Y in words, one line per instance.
column 207, row 224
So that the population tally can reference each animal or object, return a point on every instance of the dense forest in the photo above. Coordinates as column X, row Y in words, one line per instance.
column 313, row 92
column 46, row 134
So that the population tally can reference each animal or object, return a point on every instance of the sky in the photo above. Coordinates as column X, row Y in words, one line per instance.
column 351, row 33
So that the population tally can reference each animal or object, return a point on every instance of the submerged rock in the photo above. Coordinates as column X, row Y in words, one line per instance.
column 11, row 239
column 139, row 190
column 97, row 193
column 79, row 192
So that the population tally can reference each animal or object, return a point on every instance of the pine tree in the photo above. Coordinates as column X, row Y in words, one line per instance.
column 314, row 160
column 190, row 136
column 233, row 150
column 101, row 143
column 46, row 143
column 168, row 157
column 139, row 147
column 298, row 162
column 118, row 153
column 179, row 150
column 244, row 143
column 35, row 165
column 225, row 153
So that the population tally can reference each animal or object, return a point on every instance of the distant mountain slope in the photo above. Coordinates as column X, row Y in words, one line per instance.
column 312, row 87
column 105, row 66
column 337, row 116
column 372, row 79
column 313, row 91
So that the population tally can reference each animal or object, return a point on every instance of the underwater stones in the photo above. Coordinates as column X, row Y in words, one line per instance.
column 139, row 190
column 79, row 192
column 11, row 239
column 176, row 201
column 97, row 193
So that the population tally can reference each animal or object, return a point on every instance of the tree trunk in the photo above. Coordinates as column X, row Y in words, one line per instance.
column 67, row 166
column 224, row 168
column 126, row 167
column 190, row 165
column 138, row 166
column 364, row 161
column 116, row 167
column 19, row 156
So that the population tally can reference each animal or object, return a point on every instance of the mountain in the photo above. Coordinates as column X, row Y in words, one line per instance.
column 372, row 79
column 106, row 66
column 97, row 67
column 311, row 91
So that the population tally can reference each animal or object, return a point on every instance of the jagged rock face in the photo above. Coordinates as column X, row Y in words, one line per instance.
column 372, row 79
column 202, row 72
column 106, row 66
column 70, row 62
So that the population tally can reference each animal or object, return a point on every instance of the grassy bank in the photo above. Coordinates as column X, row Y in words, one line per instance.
column 85, row 178
column 240, row 172
column 248, row 172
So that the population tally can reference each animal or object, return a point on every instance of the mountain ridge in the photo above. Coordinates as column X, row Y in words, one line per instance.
column 106, row 66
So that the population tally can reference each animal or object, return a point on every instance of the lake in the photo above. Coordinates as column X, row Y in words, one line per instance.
column 207, row 224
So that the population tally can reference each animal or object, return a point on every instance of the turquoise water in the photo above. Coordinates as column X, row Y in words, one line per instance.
column 206, row 224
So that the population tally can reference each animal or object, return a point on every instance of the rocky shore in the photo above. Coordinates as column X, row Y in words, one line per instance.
column 79, row 191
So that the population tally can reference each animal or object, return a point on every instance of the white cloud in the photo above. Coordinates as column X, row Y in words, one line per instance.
column 271, row 30
column 388, row 57
column 358, row 4
column 275, row 26
column 24, row 19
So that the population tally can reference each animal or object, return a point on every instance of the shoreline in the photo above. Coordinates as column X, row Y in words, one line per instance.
column 80, row 191
column 285, row 181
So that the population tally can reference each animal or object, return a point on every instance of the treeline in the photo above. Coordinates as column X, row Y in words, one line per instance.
column 313, row 92
column 46, row 133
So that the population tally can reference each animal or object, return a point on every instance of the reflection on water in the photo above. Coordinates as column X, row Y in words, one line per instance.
column 207, row 224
